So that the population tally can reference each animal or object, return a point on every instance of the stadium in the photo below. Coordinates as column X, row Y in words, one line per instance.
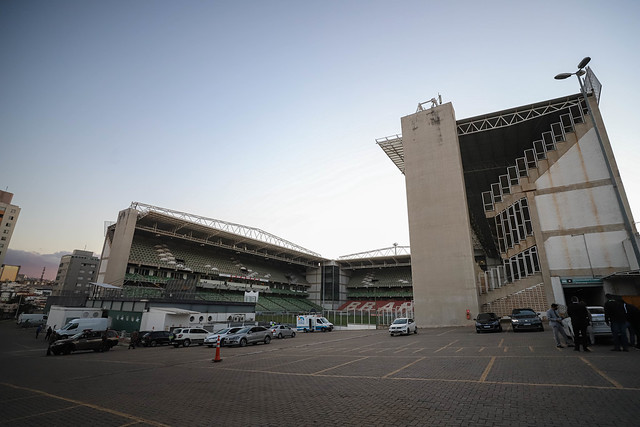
column 155, row 257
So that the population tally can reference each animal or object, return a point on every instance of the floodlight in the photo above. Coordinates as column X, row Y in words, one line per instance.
column 584, row 63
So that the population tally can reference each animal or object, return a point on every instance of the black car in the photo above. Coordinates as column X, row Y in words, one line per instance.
column 86, row 340
column 488, row 322
column 523, row 319
column 155, row 338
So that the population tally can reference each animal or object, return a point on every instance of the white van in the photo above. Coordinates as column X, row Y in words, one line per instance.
column 79, row 325
column 33, row 319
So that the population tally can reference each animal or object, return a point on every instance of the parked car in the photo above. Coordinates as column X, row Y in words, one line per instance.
column 523, row 319
column 597, row 328
column 212, row 339
column 86, row 340
column 249, row 335
column 403, row 325
column 282, row 331
column 154, row 338
column 188, row 336
column 488, row 322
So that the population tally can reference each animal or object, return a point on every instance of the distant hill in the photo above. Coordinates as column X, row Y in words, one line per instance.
column 32, row 263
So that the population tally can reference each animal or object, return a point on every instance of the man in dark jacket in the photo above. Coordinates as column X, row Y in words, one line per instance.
column 633, row 317
column 579, row 320
column 616, row 317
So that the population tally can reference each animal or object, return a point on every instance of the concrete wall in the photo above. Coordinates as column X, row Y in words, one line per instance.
column 442, row 260
column 579, row 214
column 115, row 254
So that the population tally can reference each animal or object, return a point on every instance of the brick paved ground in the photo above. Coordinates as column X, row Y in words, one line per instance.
column 446, row 376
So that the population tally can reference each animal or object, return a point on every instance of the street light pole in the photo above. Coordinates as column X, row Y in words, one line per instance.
column 627, row 223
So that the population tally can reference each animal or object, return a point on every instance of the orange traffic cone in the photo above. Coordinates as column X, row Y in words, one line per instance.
column 217, row 358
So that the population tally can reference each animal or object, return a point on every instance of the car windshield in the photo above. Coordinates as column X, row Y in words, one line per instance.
column 223, row 331
column 399, row 321
column 77, row 336
column 485, row 316
column 243, row 331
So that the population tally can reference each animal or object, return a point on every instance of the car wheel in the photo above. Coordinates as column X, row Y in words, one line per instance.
column 243, row 342
column 324, row 329
column 477, row 331
column 67, row 350
column 154, row 343
column 186, row 343
column 267, row 339
column 541, row 328
column 293, row 334
column 280, row 336
column 415, row 331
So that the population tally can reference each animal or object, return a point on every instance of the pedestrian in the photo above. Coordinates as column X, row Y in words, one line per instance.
column 133, row 340
column 38, row 330
column 555, row 321
column 615, row 316
column 579, row 321
column 633, row 318
column 48, row 334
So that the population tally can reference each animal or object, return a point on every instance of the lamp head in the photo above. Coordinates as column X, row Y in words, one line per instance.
column 563, row 76
column 583, row 63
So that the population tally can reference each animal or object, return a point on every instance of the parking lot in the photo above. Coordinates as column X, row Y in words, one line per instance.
column 444, row 376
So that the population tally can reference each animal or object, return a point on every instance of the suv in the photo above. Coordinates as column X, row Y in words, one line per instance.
column 525, row 319
column 154, row 338
column 403, row 325
column 86, row 340
column 187, row 336
column 250, row 335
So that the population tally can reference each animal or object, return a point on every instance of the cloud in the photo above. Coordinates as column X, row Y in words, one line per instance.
column 32, row 263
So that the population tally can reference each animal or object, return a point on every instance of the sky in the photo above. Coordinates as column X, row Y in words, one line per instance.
column 265, row 113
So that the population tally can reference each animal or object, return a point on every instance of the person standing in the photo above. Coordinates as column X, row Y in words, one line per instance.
column 633, row 319
column 48, row 334
column 38, row 330
column 579, row 321
column 615, row 316
column 133, row 340
column 555, row 321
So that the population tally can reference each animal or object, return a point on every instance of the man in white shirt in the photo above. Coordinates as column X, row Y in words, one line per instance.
column 555, row 321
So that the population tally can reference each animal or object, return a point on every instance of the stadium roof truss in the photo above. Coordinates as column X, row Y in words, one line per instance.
column 392, row 145
column 208, row 231
column 393, row 256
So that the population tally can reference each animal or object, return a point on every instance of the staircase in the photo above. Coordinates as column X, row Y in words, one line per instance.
column 507, row 204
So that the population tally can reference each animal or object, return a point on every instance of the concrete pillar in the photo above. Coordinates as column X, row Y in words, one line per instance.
column 442, row 261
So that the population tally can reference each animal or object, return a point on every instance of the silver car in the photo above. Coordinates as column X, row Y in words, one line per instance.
column 282, row 331
column 212, row 340
column 249, row 335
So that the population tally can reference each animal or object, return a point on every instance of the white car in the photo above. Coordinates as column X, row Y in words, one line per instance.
column 212, row 340
column 403, row 325
column 188, row 336
column 597, row 328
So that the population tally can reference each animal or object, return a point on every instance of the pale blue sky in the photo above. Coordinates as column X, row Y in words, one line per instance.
column 265, row 113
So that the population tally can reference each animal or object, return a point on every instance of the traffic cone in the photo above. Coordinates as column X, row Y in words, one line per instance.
column 217, row 358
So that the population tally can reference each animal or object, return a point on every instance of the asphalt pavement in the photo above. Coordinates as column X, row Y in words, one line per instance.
column 441, row 376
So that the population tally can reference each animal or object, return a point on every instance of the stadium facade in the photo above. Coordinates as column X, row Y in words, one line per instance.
column 517, row 208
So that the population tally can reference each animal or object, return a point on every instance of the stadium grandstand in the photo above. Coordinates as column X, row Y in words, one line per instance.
column 159, row 254
column 378, row 279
